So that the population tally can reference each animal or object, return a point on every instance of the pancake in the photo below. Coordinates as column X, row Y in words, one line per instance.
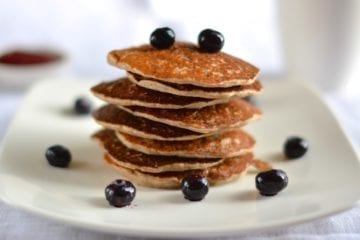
column 184, row 63
column 223, row 145
column 189, row 90
column 227, row 171
column 132, row 159
column 112, row 117
column 234, row 113
column 124, row 92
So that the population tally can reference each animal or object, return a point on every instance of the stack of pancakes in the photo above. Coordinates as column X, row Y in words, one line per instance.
column 178, row 112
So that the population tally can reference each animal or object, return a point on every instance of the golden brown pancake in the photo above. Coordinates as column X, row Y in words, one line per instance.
column 234, row 113
column 112, row 117
column 124, row 92
column 189, row 90
column 223, row 145
column 132, row 159
column 227, row 171
column 183, row 63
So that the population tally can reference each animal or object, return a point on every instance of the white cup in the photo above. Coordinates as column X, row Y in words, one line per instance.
column 320, row 39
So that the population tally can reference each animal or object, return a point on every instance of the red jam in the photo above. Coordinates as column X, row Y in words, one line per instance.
column 28, row 57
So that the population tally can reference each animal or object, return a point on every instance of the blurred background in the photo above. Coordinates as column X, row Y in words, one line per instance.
column 86, row 30
column 303, row 40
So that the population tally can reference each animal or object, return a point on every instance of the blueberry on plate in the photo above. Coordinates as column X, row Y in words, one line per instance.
column 120, row 193
column 58, row 156
column 82, row 106
column 194, row 187
column 295, row 147
column 210, row 41
column 162, row 38
column 269, row 183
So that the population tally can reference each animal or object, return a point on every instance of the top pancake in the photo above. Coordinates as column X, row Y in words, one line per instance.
column 184, row 63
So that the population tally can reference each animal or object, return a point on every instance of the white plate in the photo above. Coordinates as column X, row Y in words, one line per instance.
column 322, row 183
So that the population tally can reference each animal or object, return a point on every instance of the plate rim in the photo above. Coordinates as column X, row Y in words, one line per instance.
column 148, row 233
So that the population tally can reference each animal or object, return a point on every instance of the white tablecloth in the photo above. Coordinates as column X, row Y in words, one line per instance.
column 16, row 224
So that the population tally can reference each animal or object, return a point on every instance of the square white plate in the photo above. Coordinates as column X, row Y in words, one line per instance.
column 323, row 182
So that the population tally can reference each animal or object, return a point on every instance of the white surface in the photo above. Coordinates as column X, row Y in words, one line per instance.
column 321, row 41
column 76, row 195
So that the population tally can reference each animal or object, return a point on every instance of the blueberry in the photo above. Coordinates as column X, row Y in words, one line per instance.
column 210, row 41
column 58, row 156
column 271, row 182
column 82, row 106
column 162, row 38
column 194, row 187
column 120, row 193
column 295, row 147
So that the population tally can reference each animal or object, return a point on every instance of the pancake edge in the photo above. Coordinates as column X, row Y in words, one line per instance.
column 145, row 150
column 128, row 102
column 147, row 180
column 157, row 86
column 188, row 126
